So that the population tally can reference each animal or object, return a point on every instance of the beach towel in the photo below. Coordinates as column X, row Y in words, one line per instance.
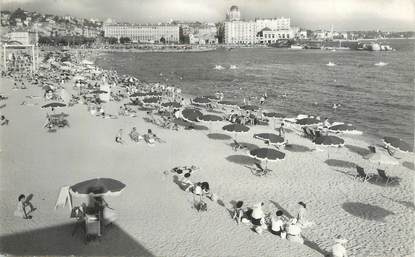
column 64, row 197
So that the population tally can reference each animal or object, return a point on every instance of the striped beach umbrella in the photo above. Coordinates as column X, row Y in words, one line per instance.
column 397, row 143
column 98, row 187
column 343, row 127
column 272, row 138
column 267, row 154
column 151, row 100
column 274, row 115
column 308, row 121
column 229, row 104
column 172, row 104
column 191, row 115
column 250, row 107
column 236, row 128
column 210, row 118
column 201, row 100
column 329, row 141
column 53, row 105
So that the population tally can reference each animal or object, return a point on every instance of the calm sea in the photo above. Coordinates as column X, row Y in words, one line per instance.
column 377, row 100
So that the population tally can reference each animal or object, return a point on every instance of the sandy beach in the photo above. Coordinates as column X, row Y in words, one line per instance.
column 156, row 218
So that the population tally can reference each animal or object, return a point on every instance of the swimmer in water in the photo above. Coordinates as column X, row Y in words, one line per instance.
column 335, row 106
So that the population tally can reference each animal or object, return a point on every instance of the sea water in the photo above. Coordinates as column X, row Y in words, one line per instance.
column 378, row 100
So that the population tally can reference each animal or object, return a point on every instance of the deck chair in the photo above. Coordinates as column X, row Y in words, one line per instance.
column 260, row 171
column 306, row 133
column 361, row 174
column 237, row 145
column 382, row 175
column 92, row 227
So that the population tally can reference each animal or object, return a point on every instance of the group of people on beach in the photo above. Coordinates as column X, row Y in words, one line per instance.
column 276, row 223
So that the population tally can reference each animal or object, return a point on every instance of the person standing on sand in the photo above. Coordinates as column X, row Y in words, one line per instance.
column 281, row 130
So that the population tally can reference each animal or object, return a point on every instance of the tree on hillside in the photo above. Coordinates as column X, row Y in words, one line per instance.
column 19, row 13
column 125, row 40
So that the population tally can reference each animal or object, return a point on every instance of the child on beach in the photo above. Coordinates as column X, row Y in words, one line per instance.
column 21, row 207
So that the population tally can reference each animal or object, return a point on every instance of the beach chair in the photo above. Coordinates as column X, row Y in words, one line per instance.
column 237, row 145
column 361, row 174
column 260, row 171
column 382, row 175
column 92, row 227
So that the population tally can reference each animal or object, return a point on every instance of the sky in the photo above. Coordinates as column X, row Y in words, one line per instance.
column 387, row 15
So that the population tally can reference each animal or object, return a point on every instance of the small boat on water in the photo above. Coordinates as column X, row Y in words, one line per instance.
column 219, row 67
column 381, row 64
column 233, row 67
column 331, row 64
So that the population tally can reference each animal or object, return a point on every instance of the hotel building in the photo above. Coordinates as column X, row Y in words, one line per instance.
column 144, row 33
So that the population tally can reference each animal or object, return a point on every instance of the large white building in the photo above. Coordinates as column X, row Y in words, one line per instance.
column 144, row 33
column 263, row 31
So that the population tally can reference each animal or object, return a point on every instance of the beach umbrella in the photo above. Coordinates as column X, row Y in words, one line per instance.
column 397, row 143
column 342, row 127
column 98, row 187
column 53, row 105
column 308, row 121
column 274, row 115
column 272, row 138
column 201, row 100
column 211, row 97
column 98, row 92
column 329, row 141
column 267, row 154
column 191, row 115
column 172, row 104
column 229, row 104
column 210, row 118
column 250, row 107
column 142, row 94
column 151, row 100
column 236, row 128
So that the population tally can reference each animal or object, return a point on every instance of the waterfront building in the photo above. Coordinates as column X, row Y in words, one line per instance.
column 238, row 31
column 144, row 33
column 206, row 34
column 273, row 24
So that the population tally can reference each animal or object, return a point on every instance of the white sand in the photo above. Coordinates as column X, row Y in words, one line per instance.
column 155, row 215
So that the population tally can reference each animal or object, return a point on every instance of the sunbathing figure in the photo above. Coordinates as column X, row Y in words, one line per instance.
column 118, row 137
column 151, row 138
column 135, row 136
column 184, row 169
column 3, row 121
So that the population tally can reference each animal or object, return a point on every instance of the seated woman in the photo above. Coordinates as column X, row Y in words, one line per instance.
column 293, row 230
column 134, row 135
column 258, row 218
column 21, row 207
column 277, row 224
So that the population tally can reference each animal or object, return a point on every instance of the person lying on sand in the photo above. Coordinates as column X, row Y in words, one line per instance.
column 151, row 138
column 184, row 169
column 3, row 121
column 118, row 137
